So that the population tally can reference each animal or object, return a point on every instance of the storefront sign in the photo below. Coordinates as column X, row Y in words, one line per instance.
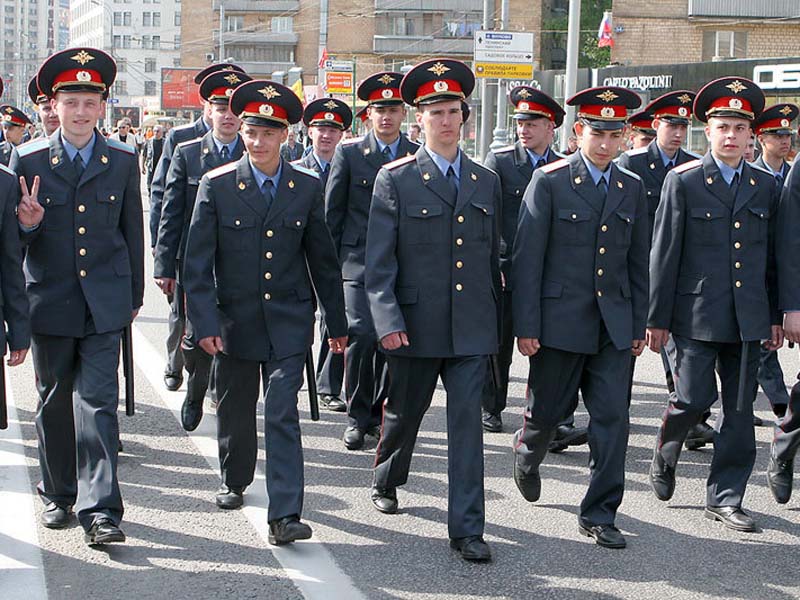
column 641, row 82
column 777, row 77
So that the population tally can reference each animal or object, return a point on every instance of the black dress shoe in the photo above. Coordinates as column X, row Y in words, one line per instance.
column 472, row 548
column 287, row 530
column 779, row 478
column 528, row 484
column 353, row 438
column 374, row 432
column 662, row 478
column 606, row 536
column 103, row 531
column 385, row 499
column 699, row 435
column 229, row 498
column 56, row 516
column 779, row 410
column 491, row 422
column 732, row 517
column 566, row 436
column 332, row 403
column 191, row 413
column 173, row 381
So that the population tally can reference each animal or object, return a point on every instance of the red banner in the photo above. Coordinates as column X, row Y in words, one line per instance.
column 178, row 89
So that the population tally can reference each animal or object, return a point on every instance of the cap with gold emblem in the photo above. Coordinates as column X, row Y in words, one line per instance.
column 218, row 87
column 642, row 122
column 328, row 112
column 77, row 70
column 530, row 103
column 13, row 116
column 35, row 94
column 266, row 103
column 673, row 107
column 605, row 108
column 729, row 97
column 381, row 89
column 777, row 119
column 437, row 80
column 198, row 79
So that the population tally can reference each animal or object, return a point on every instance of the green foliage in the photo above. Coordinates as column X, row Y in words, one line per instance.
column 590, row 56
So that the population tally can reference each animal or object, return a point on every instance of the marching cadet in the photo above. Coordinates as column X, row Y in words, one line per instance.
column 774, row 132
column 14, row 123
column 173, row 372
column 670, row 117
column 579, row 269
column 257, row 232
column 190, row 161
column 44, row 108
column 81, row 219
column 714, row 290
column 348, row 195
column 433, row 280
column 536, row 115
column 327, row 119
column 641, row 129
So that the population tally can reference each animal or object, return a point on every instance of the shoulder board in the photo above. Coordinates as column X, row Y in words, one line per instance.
column 504, row 149
column 400, row 162
column 756, row 167
column 694, row 155
column 184, row 126
column 554, row 166
column 189, row 142
column 628, row 173
column 692, row 164
column 117, row 145
column 33, row 146
column 226, row 168
column 305, row 170
column 5, row 169
column 352, row 141
column 637, row 151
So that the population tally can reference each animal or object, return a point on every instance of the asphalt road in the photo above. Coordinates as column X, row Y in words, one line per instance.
column 180, row 545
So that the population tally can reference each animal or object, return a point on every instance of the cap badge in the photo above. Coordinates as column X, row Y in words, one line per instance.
column 684, row 98
column 83, row 76
column 386, row 79
column 683, row 111
column 438, row 69
column 785, row 111
column 232, row 79
column 440, row 86
column 7, row 117
column 9, row 110
column 736, row 86
column 82, row 57
column 735, row 103
column 387, row 93
column 266, row 109
column 784, row 122
column 330, row 104
column 607, row 96
column 607, row 112
column 523, row 106
column 523, row 93
column 229, row 92
column 269, row 92
column 329, row 116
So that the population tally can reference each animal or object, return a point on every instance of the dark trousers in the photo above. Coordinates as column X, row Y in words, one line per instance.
column 330, row 366
column 554, row 380
column 770, row 377
column 693, row 363
column 76, row 423
column 412, row 382
column 237, row 393
column 787, row 434
column 365, row 367
column 176, row 323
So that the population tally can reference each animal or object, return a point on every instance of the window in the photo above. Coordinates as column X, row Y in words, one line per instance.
column 149, row 88
column 126, row 18
column 122, row 64
column 120, row 88
column 116, row 42
column 156, row 42
column 261, row 53
column 146, row 42
column 177, row 41
column 156, row 19
column 126, row 41
column 176, row 62
column 234, row 23
column 149, row 65
column 147, row 19
column 177, row 21
column 282, row 24
column 117, row 18
column 724, row 44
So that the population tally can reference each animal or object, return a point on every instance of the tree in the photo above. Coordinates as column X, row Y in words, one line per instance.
column 554, row 40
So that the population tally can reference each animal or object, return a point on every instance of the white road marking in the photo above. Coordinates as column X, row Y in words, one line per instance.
column 308, row 564
column 19, row 540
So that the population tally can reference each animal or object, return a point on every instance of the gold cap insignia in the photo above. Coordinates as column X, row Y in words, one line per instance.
column 386, row 79
column 269, row 92
column 266, row 110
column 232, row 79
column 387, row 93
column 785, row 111
column 607, row 96
column 438, row 69
column 735, row 103
column 329, row 116
column 441, row 86
column 9, row 110
column 784, row 122
column 736, row 86
column 330, row 104
column 82, row 57
column 607, row 112
column 684, row 98
column 523, row 106
column 229, row 92
column 683, row 111
column 523, row 93
column 83, row 76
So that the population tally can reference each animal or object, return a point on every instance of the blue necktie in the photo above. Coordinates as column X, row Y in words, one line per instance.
column 78, row 164
column 224, row 153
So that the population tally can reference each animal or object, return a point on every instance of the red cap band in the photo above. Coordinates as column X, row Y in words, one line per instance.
column 79, row 77
column 327, row 116
column 385, row 94
column 525, row 107
column 438, row 87
column 730, row 104
column 265, row 110
column 774, row 124
column 682, row 112
column 603, row 112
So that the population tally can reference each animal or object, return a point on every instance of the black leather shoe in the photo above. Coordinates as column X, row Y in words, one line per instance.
column 173, row 381
column 229, row 498
column 662, row 478
column 779, row 478
column 56, row 516
column 757, row 422
column 528, row 484
column 698, row 436
column 353, row 438
column 732, row 517
column 606, row 536
column 374, row 432
column 491, row 422
column 332, row 403
column 472, row 548
column 385, row 499
column 103, row 531
column 287, row 530
column 566, row 436
column 779, row 410
column 191, row 413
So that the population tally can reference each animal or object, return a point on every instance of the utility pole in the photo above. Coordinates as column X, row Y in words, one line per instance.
column 571, row 77
column 486, row 120
column 221, row 57
column 500, row 133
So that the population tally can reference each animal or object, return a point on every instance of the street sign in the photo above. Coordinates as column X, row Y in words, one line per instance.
column 339, row 65
column 503, row 54
column 113, row 100
column 338, row 82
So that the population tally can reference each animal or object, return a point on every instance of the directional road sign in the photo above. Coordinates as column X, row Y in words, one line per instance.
column 503, row 54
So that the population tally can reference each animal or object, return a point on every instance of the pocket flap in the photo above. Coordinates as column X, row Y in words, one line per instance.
column 407, row 295
column 235, row 222
column 294, row 222
column 109, row 196
column 626, row 216
column 52, row 198
column 690, row 285
column 576, row 216
column 423, row 211
column 708, row 213
column 552, row 289
column 363, row 182
column 487, row 209
column 758, row 211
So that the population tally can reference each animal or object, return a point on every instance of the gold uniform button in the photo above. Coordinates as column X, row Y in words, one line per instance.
column 708, row 215
column 270, row 233
column 81, row 208
column 738, row 284
column 237, row 222
column 424, row 211
column 82, row 251
column 737, row 225
column 83, row 273
column 599, row 272
column 459, row 264
column 604, row 228
column 737, row 245
column 738, row 265
column 574, row 216
column 268, row 255
column 602, row 250
column 298, row 223
column 267, row 275
column 81, row 230
column 459, row 242
column 599, row 294
column 459, row 287
column 267, row 297
column 460, row 218
column 112, row 198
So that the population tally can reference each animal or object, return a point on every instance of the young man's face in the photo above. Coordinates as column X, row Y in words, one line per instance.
column 639, row 139
column 14, row 133
column 671, row 136
column 598, row 145
column 728, row 137
column 224, row 123
column 441, row 122
column 324, row 138
column 534, row 133
column 775, row 145
column 263, row 143
column 386, row 120
column 78, row 112
column 48, row 117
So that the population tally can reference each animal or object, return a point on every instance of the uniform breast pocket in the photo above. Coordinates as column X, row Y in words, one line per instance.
column 480, row 220
column 110, row 202
column 709, row 226
column 574, row 227
column 758, row 224
column 237, row 232
column 362, row 185
column 294, row 226
column 624, row 227
column 57, row 215
column 424, row 223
